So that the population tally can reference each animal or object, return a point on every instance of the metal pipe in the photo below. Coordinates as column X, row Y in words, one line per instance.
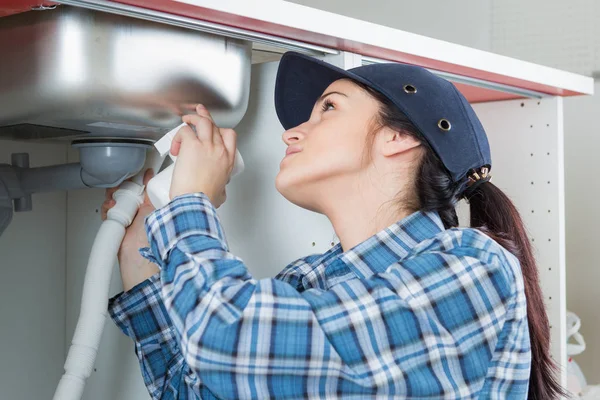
column 198, row 25
column 22, row 202
column 6, row 208
column 51, row 178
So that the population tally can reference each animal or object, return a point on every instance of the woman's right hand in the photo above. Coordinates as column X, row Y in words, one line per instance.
column 134, row 268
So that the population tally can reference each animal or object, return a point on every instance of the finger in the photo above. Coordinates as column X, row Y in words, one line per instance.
column 148, row 175
column 185, row 134
column 203, row 112
column 216, row 137
column 204, row 126
column 111, row 203
column 230, row 141
column 107, row 205
column 109, row 192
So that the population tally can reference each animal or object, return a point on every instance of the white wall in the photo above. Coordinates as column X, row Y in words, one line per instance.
column 566, row 35
column 466, row 22
column 32, row 286
column 582, row 144
column 560, row 34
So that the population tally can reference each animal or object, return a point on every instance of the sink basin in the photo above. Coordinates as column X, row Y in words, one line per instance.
column 72, row 73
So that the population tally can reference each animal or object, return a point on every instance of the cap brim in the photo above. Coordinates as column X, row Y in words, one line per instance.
column 300, row 81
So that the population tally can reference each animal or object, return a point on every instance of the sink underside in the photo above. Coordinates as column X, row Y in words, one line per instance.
column 72, row 73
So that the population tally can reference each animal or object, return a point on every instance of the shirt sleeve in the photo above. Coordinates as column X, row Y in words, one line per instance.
column 141, row 315
column 248, row 338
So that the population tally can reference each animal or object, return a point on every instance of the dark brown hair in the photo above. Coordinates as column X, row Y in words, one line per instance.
column 493, row 213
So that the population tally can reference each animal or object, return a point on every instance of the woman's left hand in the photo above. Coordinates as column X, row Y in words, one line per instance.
column 204, row 158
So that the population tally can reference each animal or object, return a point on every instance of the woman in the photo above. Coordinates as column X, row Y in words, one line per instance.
column 406, row 306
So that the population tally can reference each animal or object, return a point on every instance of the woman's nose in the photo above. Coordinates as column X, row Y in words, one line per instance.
column 292, row 136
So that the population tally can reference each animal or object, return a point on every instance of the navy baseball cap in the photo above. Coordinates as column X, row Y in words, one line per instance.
column 434, row 105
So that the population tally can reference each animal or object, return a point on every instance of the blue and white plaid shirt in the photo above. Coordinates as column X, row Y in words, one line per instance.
column 415, row 311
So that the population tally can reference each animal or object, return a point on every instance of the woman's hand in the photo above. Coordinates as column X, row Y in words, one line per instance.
column 134, row 267
column 204, row 158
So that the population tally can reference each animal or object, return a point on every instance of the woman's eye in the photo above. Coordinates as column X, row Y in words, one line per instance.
column 328, row 105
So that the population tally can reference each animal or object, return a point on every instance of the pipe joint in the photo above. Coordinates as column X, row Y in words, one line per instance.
column 129, row 198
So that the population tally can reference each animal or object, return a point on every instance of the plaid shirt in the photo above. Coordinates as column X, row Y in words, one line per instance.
column 415, row 311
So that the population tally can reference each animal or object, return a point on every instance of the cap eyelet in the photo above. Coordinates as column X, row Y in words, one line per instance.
column 444, row 125
column 410, row 89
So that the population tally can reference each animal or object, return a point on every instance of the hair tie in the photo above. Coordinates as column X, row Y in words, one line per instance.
column 476, row 178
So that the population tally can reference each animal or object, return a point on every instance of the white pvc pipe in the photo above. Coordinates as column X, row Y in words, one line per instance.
column 94, row 301
column 92, row 315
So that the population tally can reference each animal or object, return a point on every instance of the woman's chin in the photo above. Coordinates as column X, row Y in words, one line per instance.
column 287, row 185
column 282, row 182
column 294, row 192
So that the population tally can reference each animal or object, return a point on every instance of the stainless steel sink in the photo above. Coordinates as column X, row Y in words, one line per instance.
column 72, row 73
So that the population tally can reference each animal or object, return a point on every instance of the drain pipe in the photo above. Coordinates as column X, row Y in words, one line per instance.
column 93, row 311
column 18, row 182
column 104, row 163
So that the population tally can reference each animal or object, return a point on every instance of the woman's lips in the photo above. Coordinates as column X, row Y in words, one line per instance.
column 292, row 150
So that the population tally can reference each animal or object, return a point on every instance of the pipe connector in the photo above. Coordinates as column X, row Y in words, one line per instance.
column 129, row 197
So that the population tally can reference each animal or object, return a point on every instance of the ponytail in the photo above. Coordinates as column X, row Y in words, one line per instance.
column 493, row 213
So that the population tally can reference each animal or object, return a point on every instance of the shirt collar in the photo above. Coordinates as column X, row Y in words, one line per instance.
column 376, row 253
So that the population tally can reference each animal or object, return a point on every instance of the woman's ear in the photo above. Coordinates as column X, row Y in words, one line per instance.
column 397, row 143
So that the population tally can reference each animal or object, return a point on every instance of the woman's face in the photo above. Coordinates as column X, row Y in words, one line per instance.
column 327, row 152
